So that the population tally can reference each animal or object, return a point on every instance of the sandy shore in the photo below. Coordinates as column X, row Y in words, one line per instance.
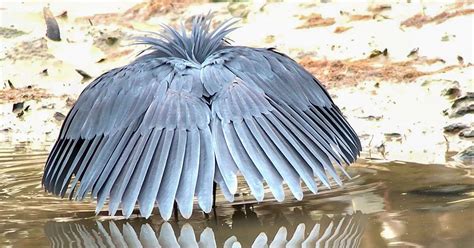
column 401, row 73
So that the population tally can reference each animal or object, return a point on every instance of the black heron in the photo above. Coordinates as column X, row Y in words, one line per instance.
column 194, row 111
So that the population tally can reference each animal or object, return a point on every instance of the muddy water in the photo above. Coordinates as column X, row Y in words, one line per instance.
column 384, row 204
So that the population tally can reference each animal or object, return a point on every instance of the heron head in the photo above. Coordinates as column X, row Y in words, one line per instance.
column 194, row 46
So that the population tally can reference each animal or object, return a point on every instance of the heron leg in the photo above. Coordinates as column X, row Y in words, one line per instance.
column 214, row 190
column 175, row 211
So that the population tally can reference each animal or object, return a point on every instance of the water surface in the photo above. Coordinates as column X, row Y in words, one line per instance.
column 385, row 204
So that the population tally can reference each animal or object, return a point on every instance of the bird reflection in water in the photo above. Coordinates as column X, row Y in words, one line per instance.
column 246, row 229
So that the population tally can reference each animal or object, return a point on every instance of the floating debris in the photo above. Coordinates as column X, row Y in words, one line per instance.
column 419, row 20
column 240, row 10
column 393, row 136
column 451, row 92
column 376, row 53
column 18, row 107
column 84, row 74
column 445, row 38
column 466, row 156
column 70, row 101
column 270, row 39
column 467, row 134
column 371, row 118
column 413, row 52
column 52, row 27
column 379, row 8
column 361, row 17
column 463, row 111
column 316, row 20
column 59, row 116
column 455, row 127
column 445, row 190
column 463, row 99
column 10, row 84
column 44, row 72
column 63, row 15
column 341, row 29
column 111, row 40
column 9, row 33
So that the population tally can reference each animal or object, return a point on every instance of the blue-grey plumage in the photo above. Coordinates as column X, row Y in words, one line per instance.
column 194, row 110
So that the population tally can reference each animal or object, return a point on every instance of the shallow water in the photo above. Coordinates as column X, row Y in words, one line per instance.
column 385, row 204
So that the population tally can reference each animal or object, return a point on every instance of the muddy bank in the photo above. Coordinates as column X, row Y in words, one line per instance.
column 401, row 73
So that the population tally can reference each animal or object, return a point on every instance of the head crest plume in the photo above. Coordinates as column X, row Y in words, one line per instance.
column 196, row 46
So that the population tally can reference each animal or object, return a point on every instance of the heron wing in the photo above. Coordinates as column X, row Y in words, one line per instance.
column 137, row 133
column 273, row 121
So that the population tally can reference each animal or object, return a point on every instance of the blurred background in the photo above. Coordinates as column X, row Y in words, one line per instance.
column 401, row 72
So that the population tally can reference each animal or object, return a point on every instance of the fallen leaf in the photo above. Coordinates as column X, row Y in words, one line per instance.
column 52, row 27
column 63, row 14
column 59, row 116
column 17, row 107
column 375, row 53
column 10, row 84
column 413, row 52
column 84, row 74
column 455, row 127
column 341, row 29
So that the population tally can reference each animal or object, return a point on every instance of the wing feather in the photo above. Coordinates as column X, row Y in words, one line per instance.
column 48, row 167
column 119, row 171
column 135, row 185
column 62, row 162
column 290, row 147
column 317, row 155
column 287, row 114
column 281, row 163
column 170, row 181
column 317, row 117
column 228, row 195
column 80, row 194
column 225, row 163
column 246, row 151
column 63, row 149
column 260, row 160
column 323, row 145
column 204, row 187
column 126, row 140
column 146, row 198
column 66, row 164
column 66, row 178
column 116, row 194
column 84, row 163
column 244, row 163
column 343, row 122
column 189, row 176
column 96, row 168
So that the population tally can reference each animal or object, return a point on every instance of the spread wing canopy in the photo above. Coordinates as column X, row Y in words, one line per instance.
column 143, row 133
column 137, row 133
column 272, row 121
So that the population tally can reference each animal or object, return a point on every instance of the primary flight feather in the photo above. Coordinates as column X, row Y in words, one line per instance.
column 193, row 111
